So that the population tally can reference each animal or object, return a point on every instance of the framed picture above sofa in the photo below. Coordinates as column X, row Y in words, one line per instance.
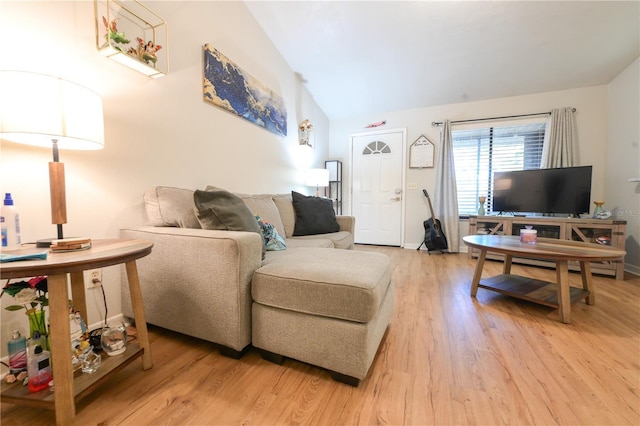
column 229, row 87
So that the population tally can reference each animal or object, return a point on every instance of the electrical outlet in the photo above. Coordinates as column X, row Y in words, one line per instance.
column 93, row 278
column 412, row 185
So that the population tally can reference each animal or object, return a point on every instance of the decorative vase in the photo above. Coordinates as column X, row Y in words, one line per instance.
column 598, row 209
column 37, row 323
column 481, row 200
column 114, row 339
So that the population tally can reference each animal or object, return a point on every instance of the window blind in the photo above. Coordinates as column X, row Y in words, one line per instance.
column 480, row 152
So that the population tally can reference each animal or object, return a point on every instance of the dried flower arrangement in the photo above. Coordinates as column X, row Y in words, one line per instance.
column 144, row 52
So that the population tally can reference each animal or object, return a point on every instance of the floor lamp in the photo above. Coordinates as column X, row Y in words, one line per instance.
column 50, row 112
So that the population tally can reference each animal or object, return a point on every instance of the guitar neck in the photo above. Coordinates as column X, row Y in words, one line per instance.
column 431, row 209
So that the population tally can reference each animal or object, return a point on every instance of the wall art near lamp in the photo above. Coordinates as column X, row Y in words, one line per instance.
column 132, row 34
column 306, row 133
column 229, row 87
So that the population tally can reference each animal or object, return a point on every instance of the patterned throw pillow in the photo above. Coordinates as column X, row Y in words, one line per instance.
column 272, row 240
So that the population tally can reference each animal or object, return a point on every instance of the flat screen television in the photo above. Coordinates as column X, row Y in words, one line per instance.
column 547, row 191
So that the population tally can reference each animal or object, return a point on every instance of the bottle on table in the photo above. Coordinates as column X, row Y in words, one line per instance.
column 17, row 353
column 38, row 364
column 10, row 224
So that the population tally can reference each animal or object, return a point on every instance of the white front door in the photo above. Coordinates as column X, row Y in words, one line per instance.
column 377, row 165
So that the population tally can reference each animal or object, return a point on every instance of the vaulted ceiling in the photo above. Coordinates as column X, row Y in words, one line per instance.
column 364, row 57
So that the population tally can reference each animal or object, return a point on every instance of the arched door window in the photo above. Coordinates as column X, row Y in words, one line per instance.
column 377, row 147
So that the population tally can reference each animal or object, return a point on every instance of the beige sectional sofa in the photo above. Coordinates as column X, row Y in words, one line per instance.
column 308, row 302
column 197, row 281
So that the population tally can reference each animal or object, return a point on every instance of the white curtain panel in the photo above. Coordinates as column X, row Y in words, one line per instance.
column 446, row 192
column 560, row 139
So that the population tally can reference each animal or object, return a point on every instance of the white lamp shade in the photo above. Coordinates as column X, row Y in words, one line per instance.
column 36, row 108
column 317, row 177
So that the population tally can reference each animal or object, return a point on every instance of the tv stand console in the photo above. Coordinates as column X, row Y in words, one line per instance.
column 587, row 230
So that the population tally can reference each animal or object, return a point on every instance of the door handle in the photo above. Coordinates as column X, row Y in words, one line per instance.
column 398, row 197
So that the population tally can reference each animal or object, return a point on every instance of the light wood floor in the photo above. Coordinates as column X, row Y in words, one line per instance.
column 446, row 359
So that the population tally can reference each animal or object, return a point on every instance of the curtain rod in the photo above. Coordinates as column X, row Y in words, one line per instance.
column 439, row 123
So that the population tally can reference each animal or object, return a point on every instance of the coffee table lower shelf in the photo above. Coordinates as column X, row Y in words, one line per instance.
column 530, row 289
column 83, row 384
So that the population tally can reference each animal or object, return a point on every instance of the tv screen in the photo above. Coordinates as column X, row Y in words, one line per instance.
column 553, row 191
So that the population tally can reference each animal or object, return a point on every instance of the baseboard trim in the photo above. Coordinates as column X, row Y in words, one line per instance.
column 632, row 269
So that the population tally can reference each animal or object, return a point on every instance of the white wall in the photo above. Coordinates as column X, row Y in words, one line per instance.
column 157, row 131
column 592, row 117
column 623, row 158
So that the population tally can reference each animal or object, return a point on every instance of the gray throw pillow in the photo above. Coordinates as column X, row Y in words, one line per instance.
column 221, row 210
column 314, row 215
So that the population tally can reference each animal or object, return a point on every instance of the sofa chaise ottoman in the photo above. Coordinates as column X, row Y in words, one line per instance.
column 328, row 308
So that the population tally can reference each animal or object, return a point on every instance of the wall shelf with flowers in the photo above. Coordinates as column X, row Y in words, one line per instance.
column 132, row 34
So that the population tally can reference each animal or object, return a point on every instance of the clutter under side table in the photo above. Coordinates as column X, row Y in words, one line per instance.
column 56, row 266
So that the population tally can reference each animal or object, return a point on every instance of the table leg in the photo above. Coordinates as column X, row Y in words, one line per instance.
column 478, row 272
column 506, row 268
column 60, row 334
column 564, row 297
column 138, row 313
column 78, row 294
column 587, row 284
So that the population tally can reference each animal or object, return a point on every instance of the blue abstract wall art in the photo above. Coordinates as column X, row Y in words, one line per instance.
column 229, row 87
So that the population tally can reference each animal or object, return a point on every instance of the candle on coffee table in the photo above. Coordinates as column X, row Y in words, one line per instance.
column 528, row 235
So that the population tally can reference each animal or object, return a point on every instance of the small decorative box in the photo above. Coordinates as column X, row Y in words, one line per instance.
column 528, row 236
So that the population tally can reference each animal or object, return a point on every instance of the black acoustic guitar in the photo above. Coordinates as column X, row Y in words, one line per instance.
column 434, row 238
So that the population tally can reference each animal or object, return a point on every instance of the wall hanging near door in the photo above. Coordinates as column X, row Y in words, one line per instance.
column 421, row 153
column 229, row 87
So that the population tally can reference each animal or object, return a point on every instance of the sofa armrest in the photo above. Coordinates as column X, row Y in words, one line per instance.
column 201, row 274
column 347, row 223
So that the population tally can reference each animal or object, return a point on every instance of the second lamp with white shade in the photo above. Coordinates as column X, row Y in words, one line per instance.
column 318, row 178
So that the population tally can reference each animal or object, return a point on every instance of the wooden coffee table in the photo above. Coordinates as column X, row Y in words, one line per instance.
column 556, row 295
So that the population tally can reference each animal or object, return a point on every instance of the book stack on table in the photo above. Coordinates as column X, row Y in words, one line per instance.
column 70, row 244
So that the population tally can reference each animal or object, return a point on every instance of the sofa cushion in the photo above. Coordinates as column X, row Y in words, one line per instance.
column 221, row 210
column 295, row 242
column 342, row 284
column 168, row 206
column 339, row 240
column 265, row 207
column 314, row 215
column 287, row 214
